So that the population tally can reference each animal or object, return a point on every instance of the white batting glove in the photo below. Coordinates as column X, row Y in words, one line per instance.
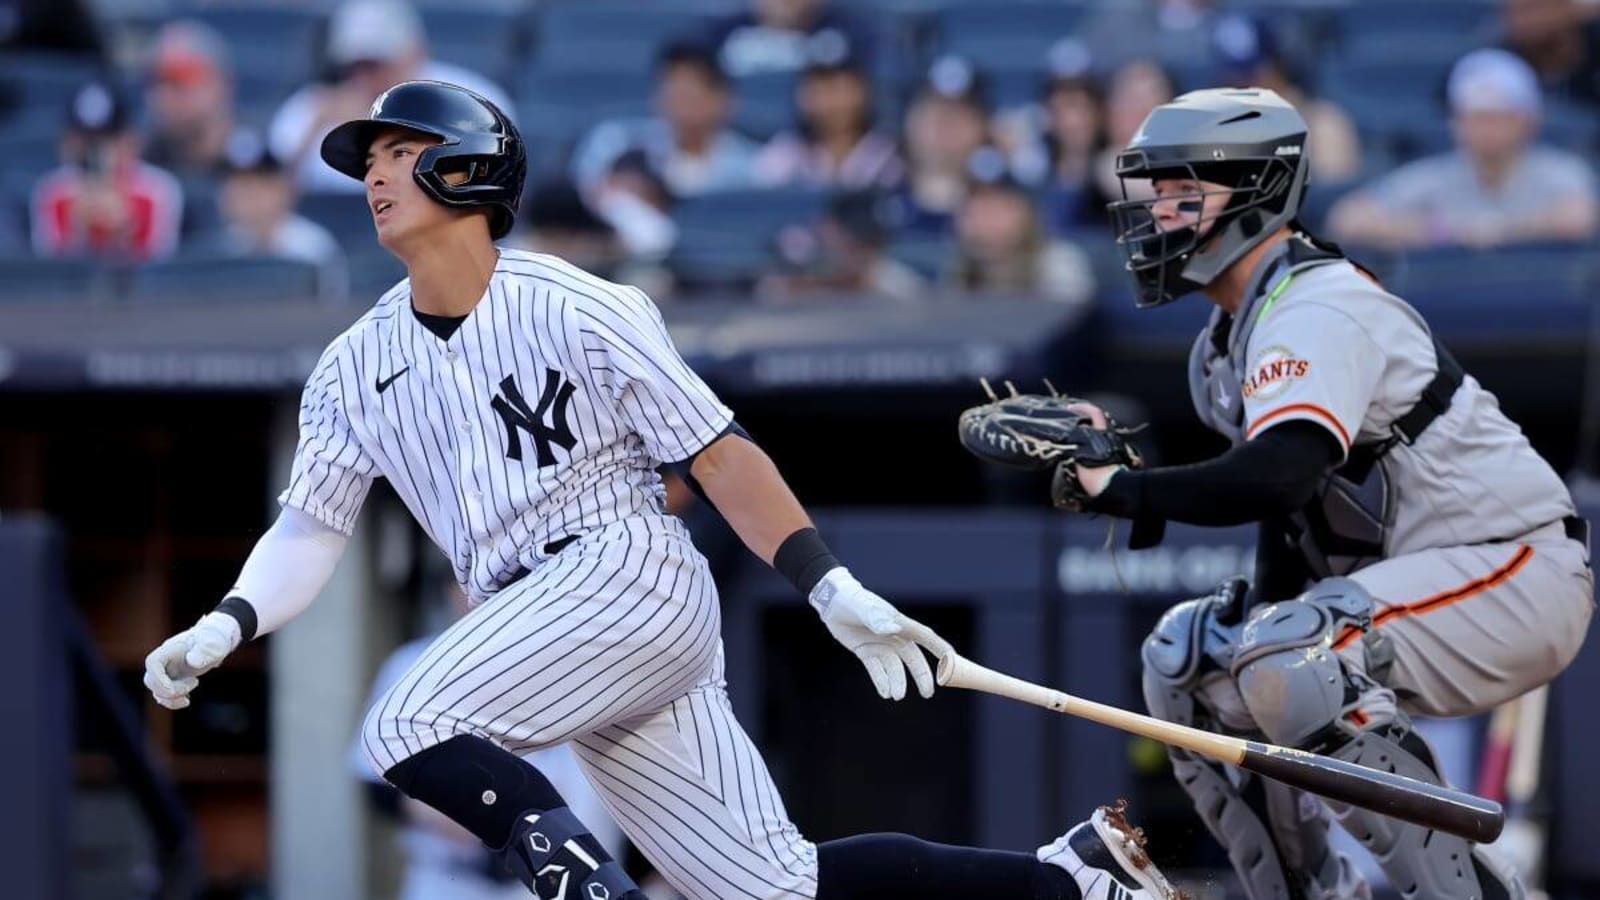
column 173, row 669
column 887, row 642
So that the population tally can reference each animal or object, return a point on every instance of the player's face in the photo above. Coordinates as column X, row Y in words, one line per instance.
column 1183, row 202
column 400, row 210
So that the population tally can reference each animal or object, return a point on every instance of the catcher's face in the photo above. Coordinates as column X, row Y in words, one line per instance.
column 1185, row 202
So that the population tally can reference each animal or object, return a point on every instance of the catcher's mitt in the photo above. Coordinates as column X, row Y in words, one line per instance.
column 1037, row 431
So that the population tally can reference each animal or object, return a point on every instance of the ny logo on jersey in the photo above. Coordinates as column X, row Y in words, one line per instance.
column 514, row 412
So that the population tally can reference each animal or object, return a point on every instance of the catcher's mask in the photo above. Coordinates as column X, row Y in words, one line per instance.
column 1248, row 144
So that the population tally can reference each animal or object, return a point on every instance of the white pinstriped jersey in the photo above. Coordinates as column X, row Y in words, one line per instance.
column 543, row 416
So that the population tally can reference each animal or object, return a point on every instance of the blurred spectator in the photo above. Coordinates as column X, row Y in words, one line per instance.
column 1134, row 91
column 258, row 198
column 103, row 201
column 556, row 219
column 688, row 141
column 190, row 99
column 846, row 253
column 780, row 36
column 637, row 203
column 444, row 861
column 834, row 144
column 1497, row 186
column 1056, row 148
column 1247, row 55
column 1561, row 40
column 946, row 123
column 1172, row 30
column 1002, row 248
column 372, row 46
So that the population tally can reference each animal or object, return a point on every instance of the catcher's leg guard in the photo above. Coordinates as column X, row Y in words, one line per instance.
column 1276, row 840
column 1302, row 694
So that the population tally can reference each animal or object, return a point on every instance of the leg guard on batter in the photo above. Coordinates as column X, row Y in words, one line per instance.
column 1303, row 694
column 511, row 807
column 1276, row 840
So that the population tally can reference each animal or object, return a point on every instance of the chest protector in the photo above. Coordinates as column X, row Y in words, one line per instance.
column 1345, row 525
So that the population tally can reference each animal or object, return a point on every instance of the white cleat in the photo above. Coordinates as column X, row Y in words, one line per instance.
column 1106, row 857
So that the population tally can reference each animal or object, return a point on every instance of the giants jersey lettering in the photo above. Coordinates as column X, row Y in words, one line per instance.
column 544, row 416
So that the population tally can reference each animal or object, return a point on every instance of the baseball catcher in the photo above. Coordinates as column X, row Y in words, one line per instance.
column 1415, row 554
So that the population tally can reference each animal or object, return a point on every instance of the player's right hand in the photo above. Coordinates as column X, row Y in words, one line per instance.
column 887, row 642
column 173, row 670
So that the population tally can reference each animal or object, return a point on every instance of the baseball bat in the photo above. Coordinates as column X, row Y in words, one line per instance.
column 1397, row 796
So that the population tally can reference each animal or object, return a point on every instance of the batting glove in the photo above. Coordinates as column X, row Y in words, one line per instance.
column 173, row 669
column 887, row 642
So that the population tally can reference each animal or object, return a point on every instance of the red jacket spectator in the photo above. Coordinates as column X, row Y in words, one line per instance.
column 103, row 201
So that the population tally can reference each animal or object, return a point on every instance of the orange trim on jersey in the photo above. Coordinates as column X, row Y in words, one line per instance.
column 1444, row 598
column 1344, row 436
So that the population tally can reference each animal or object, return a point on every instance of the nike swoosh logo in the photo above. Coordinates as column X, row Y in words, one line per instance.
column 383, row 383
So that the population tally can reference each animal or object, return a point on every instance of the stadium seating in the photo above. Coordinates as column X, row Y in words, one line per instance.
column 997, row 35
column 43, row 84
column 764, row 104
column 561, row 106
column 487, row 40
column 28, row 279
column 345, row 215
column 607, row 36
column 275, row 43
column 726, row 239
column 223, row 280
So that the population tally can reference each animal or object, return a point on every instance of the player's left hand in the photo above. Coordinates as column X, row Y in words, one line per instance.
column 886, row 641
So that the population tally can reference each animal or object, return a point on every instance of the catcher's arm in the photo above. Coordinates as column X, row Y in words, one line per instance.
column 1275, row 473
column 1098, row 471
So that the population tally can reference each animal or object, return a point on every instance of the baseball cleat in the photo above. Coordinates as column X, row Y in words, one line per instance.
column 1106, row 857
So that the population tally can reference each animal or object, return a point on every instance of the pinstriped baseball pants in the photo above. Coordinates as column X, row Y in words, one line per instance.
column 614, row 644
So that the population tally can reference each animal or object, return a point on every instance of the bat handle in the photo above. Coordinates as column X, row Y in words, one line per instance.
column 1474, row 818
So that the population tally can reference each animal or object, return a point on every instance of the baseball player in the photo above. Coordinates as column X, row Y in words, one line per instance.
column 520, row 408
column 1416, row 554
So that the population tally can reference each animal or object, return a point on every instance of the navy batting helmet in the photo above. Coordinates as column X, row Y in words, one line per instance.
column 475, row 138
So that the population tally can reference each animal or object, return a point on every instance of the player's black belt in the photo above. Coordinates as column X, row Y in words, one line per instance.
column 550, row 549
column 1577, row 528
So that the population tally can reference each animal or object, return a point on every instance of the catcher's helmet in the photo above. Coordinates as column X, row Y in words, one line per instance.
column 1249, row 140
column 476, row 137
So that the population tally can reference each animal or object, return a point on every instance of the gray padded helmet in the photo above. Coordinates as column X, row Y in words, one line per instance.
column 1252, row 142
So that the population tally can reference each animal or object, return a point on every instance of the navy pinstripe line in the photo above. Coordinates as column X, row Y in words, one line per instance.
column 445, row 460
column 669, row 863
column 440, row 426
column 407, row 401
column 659, row 828
column 480, row 436
column 539, row 596
column 738, row 841
column 444, row 647
column 648, row 653
column 608, row 643
column 620, row 350
column 761, row 791
column 580, row 451
column 486, row 429
column 425, row 510
column 486, row 679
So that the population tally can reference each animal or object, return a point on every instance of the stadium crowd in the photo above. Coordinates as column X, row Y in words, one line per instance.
column 785, row 148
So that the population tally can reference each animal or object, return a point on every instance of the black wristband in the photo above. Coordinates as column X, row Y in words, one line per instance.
column 241, row 610
column 803, row 559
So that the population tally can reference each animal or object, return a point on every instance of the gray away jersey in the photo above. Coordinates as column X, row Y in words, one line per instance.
column 1336, row 349
column 545, row 415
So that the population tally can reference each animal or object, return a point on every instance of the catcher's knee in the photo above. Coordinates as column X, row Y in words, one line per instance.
column 1186, row 659
column 1296, row 687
